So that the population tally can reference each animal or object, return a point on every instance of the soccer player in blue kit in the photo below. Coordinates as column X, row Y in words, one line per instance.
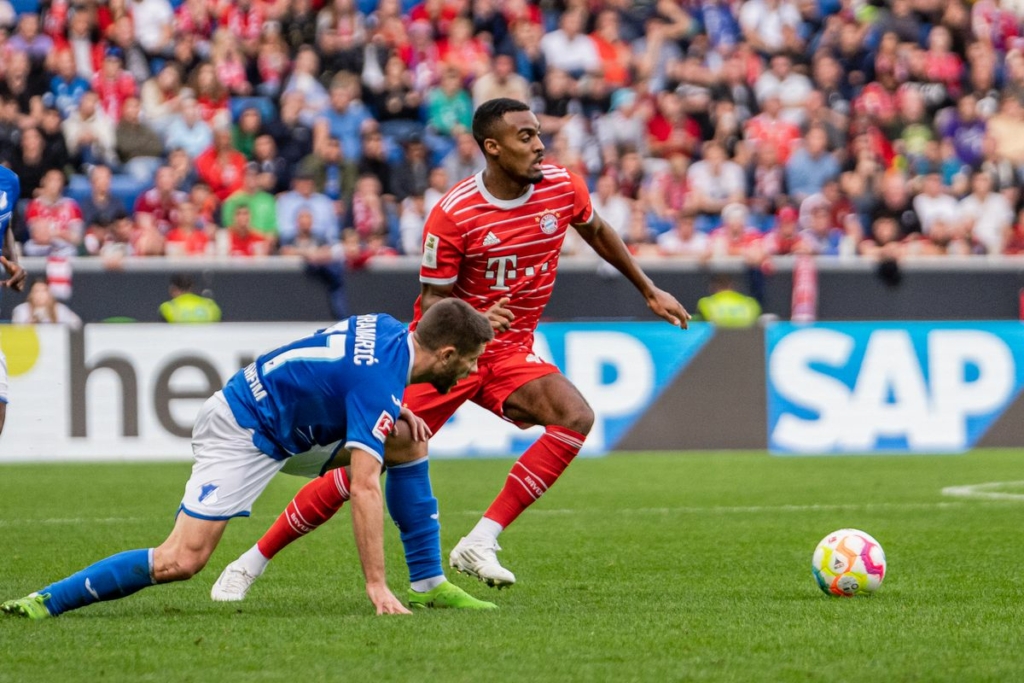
column 298, row 408
column 10, row 190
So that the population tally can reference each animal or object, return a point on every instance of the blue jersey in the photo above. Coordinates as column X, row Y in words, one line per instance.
column 10, row 192
column 344, row 383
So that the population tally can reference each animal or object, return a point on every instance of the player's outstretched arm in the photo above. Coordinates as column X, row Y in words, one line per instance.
column 609, row 246
column 368, row 525
column 9, row 261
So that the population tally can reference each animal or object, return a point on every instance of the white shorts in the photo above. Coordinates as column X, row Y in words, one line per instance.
column 230, row 473
column 3, row 378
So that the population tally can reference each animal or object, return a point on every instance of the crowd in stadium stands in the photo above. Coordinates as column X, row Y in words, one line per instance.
column 329, row 128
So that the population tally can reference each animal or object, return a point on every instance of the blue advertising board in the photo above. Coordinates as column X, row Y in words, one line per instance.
column 889, row 387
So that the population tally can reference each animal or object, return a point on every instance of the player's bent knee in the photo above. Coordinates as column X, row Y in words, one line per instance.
column 401, row 449
column 579, row 420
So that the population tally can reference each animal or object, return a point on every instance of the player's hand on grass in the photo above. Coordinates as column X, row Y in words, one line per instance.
column 384, row 600
column 418, row 429
column 16, row 281
column 665, row 306
column 501, row 317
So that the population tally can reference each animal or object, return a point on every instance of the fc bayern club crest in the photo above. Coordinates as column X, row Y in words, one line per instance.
column 548, row 224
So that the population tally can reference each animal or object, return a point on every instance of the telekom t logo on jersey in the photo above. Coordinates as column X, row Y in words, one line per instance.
column 500, row 268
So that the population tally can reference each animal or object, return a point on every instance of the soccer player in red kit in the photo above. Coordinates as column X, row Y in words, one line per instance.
column 494, row 241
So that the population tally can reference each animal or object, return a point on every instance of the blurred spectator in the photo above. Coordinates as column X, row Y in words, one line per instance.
column 211, row 96
column 821, row 236
column 229, row 64
column 684, row 240
column 304, row 82
column 153, row 24
column 66, row 87
column 501, row 81
column 671, row 130
column 1006, row 130
column 463, row 161
column 784, row 239
column 411, row 223
column 438, row 187
column 933, row 204
column 189, row 236
column 187, row 307
column 613, row 52
column 157, row 207
column 715, row 182
column 725, row 307
column 623, row 127
column 163, row 97
column 736, row 237
column 883, row 243
column 24, row 86
column 462, row 52
column 293, row 138
column 966, row 129
column 986, row 215
column 395, row 103
column 54, row 146
column 411, row 176
column 244, row 132
column 303, row 197
column 89, row 134
column 332, row 174
column 244, row 241
column 185, row 176
column 138, row 146
column 188, row 131
column 113, row 84
column 81, row 42
column 323, row 260
column 792, row 88
column 654, row 52
column 275, row 171
column 1015, row 240
column 221, row 166
column 568, row 48
column 30, row 162
column 262, row 205
column 41, row 308
column 346, row 119
column 770, row 26
column 449, row 107
column 610, row 205
column 100, row 209
column 895, row 203
column 28, row 40
column 810, row 166
column 769, row 129
column 54, row 221
column 366, row 213
column 374, row 161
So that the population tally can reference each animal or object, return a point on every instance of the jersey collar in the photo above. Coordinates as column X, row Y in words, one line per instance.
column 501, row 203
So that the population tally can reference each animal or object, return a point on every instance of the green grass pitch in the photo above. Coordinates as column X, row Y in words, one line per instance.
column 636, row 567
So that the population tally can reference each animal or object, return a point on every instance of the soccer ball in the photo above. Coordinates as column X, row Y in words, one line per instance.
column 848, row 562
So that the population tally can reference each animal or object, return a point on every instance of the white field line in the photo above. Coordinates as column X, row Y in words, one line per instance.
column 986, row 491
column 683, row 510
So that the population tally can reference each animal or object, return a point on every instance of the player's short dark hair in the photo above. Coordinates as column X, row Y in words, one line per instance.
column 182, row 282
column 453, row 322
column 489, row 116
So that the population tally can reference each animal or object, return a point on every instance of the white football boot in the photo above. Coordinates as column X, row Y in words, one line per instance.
column 478, row 558
column 232, row 584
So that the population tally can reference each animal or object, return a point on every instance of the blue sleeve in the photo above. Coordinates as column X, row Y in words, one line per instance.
column 371, row 417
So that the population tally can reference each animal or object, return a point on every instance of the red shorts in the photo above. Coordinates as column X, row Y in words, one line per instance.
column 493, row 382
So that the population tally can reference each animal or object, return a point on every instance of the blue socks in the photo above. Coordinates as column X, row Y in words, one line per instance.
column 413, row 507
column 118, row 576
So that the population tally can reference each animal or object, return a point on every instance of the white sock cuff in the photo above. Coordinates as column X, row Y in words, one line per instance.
column 405, row 465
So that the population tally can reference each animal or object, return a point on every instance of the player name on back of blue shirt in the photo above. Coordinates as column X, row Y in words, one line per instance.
column 339, row 384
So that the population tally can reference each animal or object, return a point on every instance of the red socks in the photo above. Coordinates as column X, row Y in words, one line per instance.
column 313, row 505
column 534, row 473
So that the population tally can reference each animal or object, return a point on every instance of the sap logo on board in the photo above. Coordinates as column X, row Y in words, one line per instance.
column 913, row 388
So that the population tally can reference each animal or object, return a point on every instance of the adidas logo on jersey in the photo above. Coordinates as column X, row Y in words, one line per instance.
column 491, row 240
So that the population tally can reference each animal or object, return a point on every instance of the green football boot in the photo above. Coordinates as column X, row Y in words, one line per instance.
column 447, row 596
column 31, row 607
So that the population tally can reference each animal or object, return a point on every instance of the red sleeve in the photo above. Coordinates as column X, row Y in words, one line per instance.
column 443, row 249
column 582, row 209
column 31, row 211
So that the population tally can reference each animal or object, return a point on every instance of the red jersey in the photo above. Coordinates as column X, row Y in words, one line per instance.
column 63, row 215
column 163, row 209
column 491, row 248
column 113, row 93
column 249, row 244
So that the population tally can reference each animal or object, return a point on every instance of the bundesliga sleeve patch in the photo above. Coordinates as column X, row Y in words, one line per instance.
column 430, row 251
column 385, row 425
